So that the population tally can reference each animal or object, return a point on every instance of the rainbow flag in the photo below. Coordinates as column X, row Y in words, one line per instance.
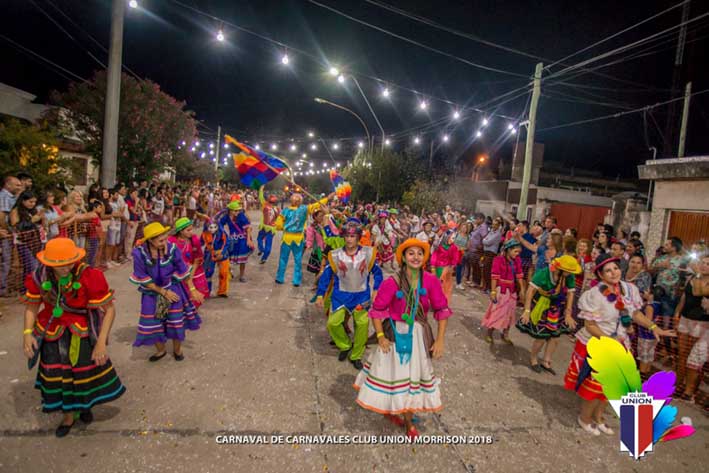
column 343, row 189
column 255, row 167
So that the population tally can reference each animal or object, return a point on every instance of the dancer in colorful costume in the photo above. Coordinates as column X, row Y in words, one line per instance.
column 236, row 225
column 383, row 237
column 315, row 240
column 267, row 228
column 292, row 221
column 207, row 241
column 398, row 377
column 506, row 273
column 68, row 317
column 445, row 258
column 166, row 310
column 216, row 256
column 349, row 270
column 551, row 291
column 608, row 310
column 189, row 245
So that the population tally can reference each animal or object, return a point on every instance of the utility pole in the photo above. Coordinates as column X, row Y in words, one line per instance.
column 219, row 147
column 430, row 159
column 113, row 96
column 670, row 125
column 529, row 148
column 685, row 119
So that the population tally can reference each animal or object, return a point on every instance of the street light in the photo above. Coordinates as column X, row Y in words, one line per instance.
column 220, row 36
column 456, row 115
column 133, row 4
column 327, row 102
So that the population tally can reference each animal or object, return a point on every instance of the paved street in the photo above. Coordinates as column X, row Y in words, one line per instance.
column 261, row 364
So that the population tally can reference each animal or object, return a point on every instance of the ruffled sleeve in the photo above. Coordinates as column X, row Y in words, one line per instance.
column 633, row 301
column 32, row 295
column 383, row 301
column 437, row 299
column 140, row 274
column 97, row 289
column 591, row 305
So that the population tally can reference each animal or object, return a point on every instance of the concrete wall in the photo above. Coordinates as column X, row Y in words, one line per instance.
column 674, row 195
column 572, row 197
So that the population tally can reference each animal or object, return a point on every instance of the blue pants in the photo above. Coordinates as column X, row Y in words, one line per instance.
column 265, row 240
column 209, row 266
column 297, row 250
column 459, row 273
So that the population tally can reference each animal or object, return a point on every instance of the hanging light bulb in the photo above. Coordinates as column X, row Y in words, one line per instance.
column 423, row 105
column 360, row 145
column 285, row 60
column 456, row 115
column 220, row 36
column 197, row 143
column 445, row 138
column 485, row 122
column 203, row 155
column 341, row 79
column 211, row 145
column 478, row 134
column 303, row 155
column 314, row 147
column 311, row 134
column 387, row 142
column 211, row 152
column 133, row 4
column 335, row 146
column 193, row 149
column 258, row 146
column 510, row 127
column 513, row 130
column 417, row 140
column 334, row 71
column 226, row 145
column 293, row 148
column 311, row 164
column 385, row 93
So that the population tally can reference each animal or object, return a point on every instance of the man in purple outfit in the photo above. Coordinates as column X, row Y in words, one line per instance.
column 474, row 250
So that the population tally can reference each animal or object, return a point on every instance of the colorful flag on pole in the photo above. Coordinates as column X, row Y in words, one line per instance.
column 343, row 189
column 255, row 167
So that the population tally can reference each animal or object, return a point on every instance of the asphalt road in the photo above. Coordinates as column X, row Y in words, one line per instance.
column 261, row 365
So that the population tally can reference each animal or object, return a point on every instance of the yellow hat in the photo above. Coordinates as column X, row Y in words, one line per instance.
column 408, row 244
column 154, row 229
column 60, row 252
column 566, row 263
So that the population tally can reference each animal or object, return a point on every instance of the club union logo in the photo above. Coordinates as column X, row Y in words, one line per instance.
column 636, row 411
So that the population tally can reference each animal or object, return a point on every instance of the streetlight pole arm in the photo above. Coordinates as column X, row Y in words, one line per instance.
column 354, row 79
column 327, row 102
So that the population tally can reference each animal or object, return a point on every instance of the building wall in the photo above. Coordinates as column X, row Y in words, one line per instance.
column 682, row 195
column 674, row 195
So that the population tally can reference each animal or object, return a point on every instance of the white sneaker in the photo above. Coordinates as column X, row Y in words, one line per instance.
column 459, row 287
column 605, row 429
column 588, row 427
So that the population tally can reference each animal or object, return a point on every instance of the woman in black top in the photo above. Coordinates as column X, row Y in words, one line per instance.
column 692, row 320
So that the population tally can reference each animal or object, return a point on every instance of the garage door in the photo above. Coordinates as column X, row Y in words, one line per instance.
column 689, row 226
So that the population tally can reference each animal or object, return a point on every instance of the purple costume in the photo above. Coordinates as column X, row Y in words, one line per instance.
column 167, row 273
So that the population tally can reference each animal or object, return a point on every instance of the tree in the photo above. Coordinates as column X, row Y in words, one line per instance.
column 386, row 174
column 151, row 123
column 187, row 167
column 424, row 195
column 33, row 149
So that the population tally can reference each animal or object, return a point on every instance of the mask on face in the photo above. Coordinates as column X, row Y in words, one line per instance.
column 212, row 228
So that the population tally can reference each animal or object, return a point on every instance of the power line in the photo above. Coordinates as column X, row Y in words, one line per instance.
column 626, row 47
column 416, row 43
column 86, row 33
column 625, row 30
column 39, row 56
column 61, row 28
column 620, row 114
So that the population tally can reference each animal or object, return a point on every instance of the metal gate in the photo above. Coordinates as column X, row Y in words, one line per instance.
column 689, row 226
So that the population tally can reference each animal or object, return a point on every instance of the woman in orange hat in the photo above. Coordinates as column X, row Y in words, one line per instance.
column 398, row 379
column 68, row 318
column 166, row 310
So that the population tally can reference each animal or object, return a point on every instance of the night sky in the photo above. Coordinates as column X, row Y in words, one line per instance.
column 242, row 85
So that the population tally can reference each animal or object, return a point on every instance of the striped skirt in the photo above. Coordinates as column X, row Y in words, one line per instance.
column 387, row 386
column 74, row 388
column 590, row 389
column 182, row 315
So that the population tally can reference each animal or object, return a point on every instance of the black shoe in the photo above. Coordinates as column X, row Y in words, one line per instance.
column 263, row 261
column 296, row 285
column 179, row 357
column 357, row 364
column 343, row 355
column 86, row 417
column 536, row 368
column 157, row 357
column 63, row 430
column 279, row 282
column 259, row 253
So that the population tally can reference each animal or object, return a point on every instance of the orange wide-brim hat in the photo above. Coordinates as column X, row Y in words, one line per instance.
column 60, row 252
column 408, row 244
